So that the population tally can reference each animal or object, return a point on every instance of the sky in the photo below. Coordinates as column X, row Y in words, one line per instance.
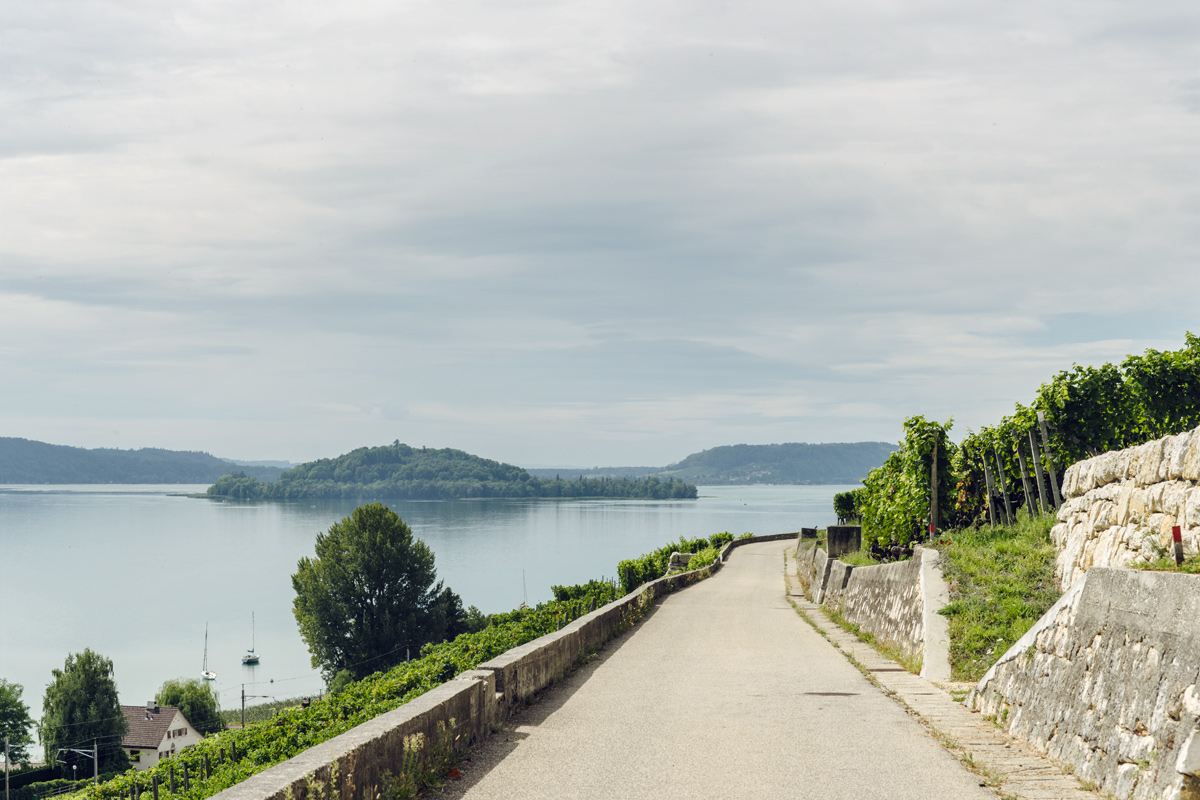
column 581, row 233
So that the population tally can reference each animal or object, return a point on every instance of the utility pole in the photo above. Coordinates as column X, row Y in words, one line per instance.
column 5, row 768
column 95, row 762
column 243, row 706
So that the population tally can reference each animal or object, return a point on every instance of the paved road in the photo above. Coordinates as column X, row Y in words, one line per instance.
column 723, row 691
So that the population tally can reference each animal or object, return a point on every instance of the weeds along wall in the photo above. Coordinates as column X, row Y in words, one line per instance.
column 896, row 603
column 1119, row 508
column 1106, row 682
column 453, row 715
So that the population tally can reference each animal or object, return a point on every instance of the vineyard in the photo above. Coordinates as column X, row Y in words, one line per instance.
column 930, row 483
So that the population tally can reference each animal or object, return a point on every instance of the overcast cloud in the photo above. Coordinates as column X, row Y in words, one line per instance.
column 581, row 233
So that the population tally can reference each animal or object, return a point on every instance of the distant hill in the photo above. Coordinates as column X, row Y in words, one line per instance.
column 795, row 462
column 27, row 461
column 595, row 472
column 838, row 463
column 398, row 471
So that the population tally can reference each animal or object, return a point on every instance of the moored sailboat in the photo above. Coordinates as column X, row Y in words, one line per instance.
column 205, row 672
column 251, row 657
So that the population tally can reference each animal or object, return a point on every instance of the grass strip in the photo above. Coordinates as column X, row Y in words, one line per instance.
column 1001, row 581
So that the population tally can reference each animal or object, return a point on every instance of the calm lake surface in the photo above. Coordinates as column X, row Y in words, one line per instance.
column 136, row 573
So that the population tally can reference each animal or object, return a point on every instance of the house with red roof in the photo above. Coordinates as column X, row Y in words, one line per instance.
column 156, row 733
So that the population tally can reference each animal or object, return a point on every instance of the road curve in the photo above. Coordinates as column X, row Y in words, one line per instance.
column 723, row 691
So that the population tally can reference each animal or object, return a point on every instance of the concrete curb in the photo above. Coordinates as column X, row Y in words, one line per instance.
column 935, row 595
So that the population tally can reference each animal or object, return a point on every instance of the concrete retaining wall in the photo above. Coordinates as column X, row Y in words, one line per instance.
column 1118, row 508
column 350, row 766
column 1106, row 682
column 896, row 603
column 886, row 600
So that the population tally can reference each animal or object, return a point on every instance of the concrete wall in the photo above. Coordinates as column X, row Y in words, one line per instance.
column 1106, row 682
column 886, row 600
column 351, row 765
column 1119, row 507
column 896, row 603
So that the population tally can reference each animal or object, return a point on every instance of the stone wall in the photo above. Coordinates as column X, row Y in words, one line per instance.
column 1106, row 682
column 1118, row 508
column 896, row 603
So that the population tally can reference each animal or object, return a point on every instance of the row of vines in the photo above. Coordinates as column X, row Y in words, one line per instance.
column 1085, row 410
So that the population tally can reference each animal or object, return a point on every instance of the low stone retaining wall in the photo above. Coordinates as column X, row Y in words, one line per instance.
column 896, row 603
column 1106, row 682
column 351, row 766
column 1119, row 508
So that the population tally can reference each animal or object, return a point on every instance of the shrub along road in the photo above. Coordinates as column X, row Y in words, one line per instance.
column 723, row 691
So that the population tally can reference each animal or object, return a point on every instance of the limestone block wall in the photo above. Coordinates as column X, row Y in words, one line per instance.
column 1118, row 508
column 1106, row 682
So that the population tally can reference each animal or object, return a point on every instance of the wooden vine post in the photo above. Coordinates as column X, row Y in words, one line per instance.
column 1008, row 512
column 933, row 492
column 987, row 476
column 1049, row 459
column 1037, row 470
column 171, row 773
column 187, row 786
column 1024, row 476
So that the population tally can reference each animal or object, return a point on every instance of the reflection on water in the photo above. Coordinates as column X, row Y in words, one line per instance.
column 136, row 572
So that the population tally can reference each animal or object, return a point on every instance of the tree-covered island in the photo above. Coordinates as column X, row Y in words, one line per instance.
column 400, row 472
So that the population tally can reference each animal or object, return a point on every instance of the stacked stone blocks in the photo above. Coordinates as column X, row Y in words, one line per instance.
column 1119, row 508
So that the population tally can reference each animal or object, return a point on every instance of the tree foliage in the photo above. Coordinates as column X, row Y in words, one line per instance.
column 370, row 595
column 398, row 471
column 196, row 700
column 80, row 707
column 847, row 505
column 895, row 506
column 15, row 722
column 1089, row 410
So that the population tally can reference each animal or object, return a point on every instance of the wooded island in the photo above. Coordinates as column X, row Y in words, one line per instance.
column 398, row 471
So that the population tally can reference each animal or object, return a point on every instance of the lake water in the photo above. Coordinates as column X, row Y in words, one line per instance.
column 136, row 573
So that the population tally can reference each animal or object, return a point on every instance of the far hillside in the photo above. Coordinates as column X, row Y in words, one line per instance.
column 796, row 462
column 27, row 461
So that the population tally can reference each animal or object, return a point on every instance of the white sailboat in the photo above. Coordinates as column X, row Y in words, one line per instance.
column 251, row 657
column 205, row 672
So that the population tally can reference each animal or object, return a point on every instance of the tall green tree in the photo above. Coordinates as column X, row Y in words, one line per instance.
column 15, row 722
column 80, row 707
column 369, row 596
column 197, row 702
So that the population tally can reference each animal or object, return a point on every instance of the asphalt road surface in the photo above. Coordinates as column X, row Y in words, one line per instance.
column 723, row 691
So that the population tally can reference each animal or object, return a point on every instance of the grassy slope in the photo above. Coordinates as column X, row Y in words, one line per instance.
column 1001, row 581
